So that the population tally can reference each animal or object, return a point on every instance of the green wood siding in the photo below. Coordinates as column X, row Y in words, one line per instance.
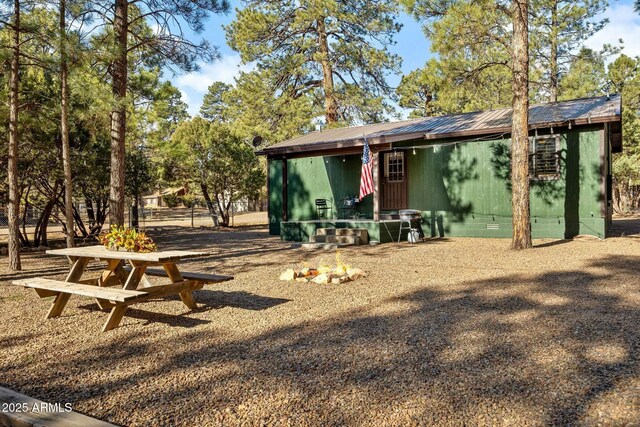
column 463, row 190
column 329, row 177
column 310, row 178
column 274, row 169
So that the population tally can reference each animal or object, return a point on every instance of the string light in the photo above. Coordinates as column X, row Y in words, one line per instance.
column 435, row 147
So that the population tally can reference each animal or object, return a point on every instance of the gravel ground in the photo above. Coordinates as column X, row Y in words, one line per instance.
column 448, row 332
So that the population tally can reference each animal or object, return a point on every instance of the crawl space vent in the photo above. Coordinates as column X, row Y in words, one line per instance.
column 493, row 226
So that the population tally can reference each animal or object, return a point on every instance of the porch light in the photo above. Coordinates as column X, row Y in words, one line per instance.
column 552, row 130
column 344, row 159
column 414, row 151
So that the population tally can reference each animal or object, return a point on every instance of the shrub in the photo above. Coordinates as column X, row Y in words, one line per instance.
column 189, row 200
column 171, row 200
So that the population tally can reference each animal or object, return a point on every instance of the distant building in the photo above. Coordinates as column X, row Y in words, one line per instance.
column 155, row 200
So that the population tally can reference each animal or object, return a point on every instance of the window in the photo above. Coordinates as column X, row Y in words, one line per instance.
column 544, row 159
column 394, row 166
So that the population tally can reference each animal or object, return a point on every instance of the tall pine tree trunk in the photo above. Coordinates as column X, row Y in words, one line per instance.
column 13, row 208
column 118, row 115
column 553, row 57
column 330, row 104
column 64, row 127
column 520, row 128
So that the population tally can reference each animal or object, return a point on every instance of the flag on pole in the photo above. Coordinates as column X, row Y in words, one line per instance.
column 366, row 175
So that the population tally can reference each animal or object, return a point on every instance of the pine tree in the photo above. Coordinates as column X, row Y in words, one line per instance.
column 64, row 125
column 119, row 112
column 520, row 199
column 558, row 30
column 477, row 41
column 170, row 45
column 585, row 76
column 213, row 104
column 624, row 78
column 334, row 51
column 418, row 88
column 472, row 40
column 255, row 107
column 13, row 206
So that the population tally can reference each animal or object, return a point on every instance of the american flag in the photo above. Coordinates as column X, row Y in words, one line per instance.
column 366, row 176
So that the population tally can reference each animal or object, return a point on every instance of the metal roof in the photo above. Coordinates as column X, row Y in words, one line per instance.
column 577, row 112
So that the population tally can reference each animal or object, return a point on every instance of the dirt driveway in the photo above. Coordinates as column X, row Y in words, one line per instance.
column 448, row 332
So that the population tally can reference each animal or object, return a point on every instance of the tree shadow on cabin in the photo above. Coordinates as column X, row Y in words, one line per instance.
column 344, row 173
column 549, row 191
column 300, row 206
column 447, row 169
column 570, row 159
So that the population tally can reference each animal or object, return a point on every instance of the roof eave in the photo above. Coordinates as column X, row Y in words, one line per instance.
column 386, row 139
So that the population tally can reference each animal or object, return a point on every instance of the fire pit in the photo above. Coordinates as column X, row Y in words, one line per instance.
column 324, row 275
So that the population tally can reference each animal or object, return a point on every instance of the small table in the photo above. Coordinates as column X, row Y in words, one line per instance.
column 348, row 207
column 116, row 275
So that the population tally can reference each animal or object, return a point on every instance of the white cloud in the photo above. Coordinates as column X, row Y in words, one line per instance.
column 194, row 85
column 624, row 23
column 186, row 99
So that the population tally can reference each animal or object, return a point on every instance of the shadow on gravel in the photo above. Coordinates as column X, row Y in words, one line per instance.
column 8, row 342
column 625, row 226
column 241, row 238
column 553, row 243
column 180, row 320
column 206, row 299
column 44, row 272
column 243, row 300
column 559, row 348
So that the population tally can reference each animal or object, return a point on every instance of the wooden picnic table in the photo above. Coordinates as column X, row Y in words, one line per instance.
column 124, row 280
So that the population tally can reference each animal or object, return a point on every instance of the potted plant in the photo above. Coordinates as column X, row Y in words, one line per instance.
column 127, row 238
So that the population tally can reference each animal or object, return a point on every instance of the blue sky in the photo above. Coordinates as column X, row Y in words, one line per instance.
column 411, row 45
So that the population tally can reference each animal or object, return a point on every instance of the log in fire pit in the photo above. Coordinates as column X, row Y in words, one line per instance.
column 324, row 275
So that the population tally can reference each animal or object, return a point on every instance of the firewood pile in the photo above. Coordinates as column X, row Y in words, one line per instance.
column 324, row 275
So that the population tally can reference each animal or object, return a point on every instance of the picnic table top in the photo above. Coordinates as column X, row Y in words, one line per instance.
column 101, row 252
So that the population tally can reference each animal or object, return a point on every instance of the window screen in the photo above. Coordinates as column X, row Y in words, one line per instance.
column 544, row 160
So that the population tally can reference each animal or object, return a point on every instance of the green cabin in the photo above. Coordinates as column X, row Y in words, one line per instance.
column 454, row 170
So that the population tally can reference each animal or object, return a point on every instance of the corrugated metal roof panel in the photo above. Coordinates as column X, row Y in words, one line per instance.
column 485, row 122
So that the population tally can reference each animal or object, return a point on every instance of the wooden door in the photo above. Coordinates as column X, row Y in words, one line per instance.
column 394, row 180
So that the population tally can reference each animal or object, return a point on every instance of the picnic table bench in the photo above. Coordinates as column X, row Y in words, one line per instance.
column 120, row 285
